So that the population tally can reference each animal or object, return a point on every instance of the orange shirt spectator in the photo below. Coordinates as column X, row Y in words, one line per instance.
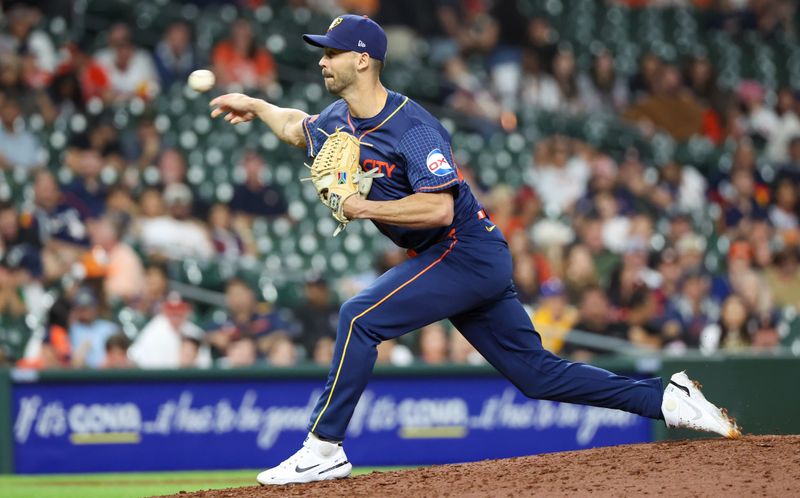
column 239, row 61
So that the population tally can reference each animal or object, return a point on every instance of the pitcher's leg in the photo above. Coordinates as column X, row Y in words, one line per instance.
column 430, row 287
column 504, row 335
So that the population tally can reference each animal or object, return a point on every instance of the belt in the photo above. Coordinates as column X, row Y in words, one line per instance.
column 480, row 214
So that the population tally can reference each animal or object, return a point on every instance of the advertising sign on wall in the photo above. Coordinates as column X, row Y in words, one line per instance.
column 171, row 425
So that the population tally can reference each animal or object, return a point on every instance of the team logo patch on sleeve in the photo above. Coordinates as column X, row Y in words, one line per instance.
column 437, row 163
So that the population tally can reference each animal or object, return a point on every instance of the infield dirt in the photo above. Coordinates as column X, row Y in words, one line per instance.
column 751, row 466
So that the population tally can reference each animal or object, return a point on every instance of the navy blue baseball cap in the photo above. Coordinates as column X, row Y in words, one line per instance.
column 352, row 33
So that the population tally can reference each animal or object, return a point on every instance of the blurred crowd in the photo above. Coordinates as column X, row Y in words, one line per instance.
column 662, row 256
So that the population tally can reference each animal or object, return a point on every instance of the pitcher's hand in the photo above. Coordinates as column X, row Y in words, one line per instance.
column 237, row 107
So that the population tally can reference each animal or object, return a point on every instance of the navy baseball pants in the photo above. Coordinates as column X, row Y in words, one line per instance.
column 466, row 278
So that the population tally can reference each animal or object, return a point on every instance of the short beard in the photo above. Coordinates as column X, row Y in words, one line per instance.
column 338, row 85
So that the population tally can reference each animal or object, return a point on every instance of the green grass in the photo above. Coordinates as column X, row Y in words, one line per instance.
column 126, row 485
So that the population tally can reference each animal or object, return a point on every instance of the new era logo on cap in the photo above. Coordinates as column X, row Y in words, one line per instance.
column 352, row 33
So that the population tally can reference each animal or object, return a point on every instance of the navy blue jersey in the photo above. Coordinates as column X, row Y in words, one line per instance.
column 412, row 149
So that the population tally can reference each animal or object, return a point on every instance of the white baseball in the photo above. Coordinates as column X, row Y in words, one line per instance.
column 201, row 80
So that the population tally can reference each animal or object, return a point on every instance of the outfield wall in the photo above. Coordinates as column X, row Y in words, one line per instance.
column 86, row 421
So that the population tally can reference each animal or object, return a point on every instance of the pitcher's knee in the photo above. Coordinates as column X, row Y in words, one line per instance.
column 352, row 321
column 347, row 312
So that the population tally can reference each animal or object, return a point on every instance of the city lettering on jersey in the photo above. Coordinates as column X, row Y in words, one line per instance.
column 382, row 166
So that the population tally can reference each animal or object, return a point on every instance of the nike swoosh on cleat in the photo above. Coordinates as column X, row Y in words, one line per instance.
column 697, row 414
column 682, row 388
column 334, row 467
column 489, row 229
column 300, row 470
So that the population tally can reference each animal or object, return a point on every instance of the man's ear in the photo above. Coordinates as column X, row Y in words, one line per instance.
column 363, row 62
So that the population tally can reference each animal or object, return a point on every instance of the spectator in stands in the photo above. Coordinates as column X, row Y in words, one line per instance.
column 462, row 352
column 15, row 239
column 244, row 319
column 24, row 38
column 240, row 352
column 119, row 265
column 323, row 351
column 643, row 83
column 784, row 213
column 783, row 279
column 689, row 311
column 13, row 85
column 467, row 94
column 60, row 228
column 644, row 319
column 19, row 148
column 228, row 243
column 670, row 108
column 760, row 120
column 601, row 90
column 130, row 69
column 788, row 126
column 156, row 287
column 241, row 62
column 526, row 280
column 318, row 314
column 580, row 271
column 560, row 173
column 751, row 287
column 630, row 276
column 393, row 353
column 594, row 317
column 282, row 353
column 631, row 177
column 433, row 343
column 189, row 352
column 254, row 197
column 542, row 38
column 554, row 317
column 86, row 191
column 791, row 168
column 691, row 250
column 55, row 347
column 733, row 330
column 601, row 260
column 160, row 344
column 670, row 273
column 94, row 81
column 174, row 56
column 500, row 204
column 701, row 80
column 12, row 305
column 142, row 146
column 176, row 235
column 538, row 89
column 680, row 223
column 565, row 75
column 742, row 204
column 117, row 352
column 468, row 25
column 680, row 189
column 88, row 332
column 172, row 170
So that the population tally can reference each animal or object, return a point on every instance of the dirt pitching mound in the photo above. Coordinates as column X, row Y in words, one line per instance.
column 751, row 466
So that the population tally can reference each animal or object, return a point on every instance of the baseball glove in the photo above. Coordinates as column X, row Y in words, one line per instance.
column 337, row 174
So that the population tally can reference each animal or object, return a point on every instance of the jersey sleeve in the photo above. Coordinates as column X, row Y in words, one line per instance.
column 312, row 134
column 312, row 126
column 429, row 160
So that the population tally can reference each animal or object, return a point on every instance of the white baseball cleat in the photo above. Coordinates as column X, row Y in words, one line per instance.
column 685, row 406
column 317, row 460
